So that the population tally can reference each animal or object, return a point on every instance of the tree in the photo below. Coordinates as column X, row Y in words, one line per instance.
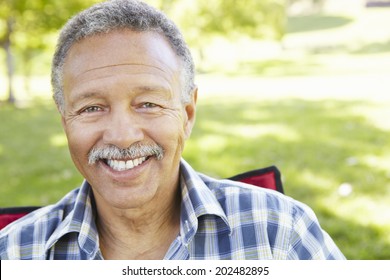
column 255, row 18
column 7, row 27
column 203, row 20
column 25, row 24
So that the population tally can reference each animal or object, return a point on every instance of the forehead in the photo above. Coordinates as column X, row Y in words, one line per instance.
column 121, row 48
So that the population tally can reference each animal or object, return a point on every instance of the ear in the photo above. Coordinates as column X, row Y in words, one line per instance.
column 190, row 112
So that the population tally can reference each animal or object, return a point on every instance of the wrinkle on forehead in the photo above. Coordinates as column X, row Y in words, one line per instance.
column 121, row 51
column 127, row 64
column 122, row 47
column 148, row 73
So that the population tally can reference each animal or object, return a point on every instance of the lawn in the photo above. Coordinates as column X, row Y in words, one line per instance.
column 319, row 146
column 321, row 116
column 331, row 154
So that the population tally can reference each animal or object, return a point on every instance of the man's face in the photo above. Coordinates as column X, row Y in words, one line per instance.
column 122, row 89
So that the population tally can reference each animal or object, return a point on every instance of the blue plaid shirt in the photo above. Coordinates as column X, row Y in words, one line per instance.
column 220, row 219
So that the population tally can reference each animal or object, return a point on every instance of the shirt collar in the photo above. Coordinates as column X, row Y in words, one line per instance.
column 197, row 200
column 80, row 220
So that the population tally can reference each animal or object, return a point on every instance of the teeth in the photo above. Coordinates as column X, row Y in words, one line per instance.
column 129, row 164
column 121, row 165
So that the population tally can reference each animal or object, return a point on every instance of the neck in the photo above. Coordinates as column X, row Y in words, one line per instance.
column 140, row 233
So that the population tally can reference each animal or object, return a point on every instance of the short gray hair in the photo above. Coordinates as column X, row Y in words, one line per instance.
column 113, row 15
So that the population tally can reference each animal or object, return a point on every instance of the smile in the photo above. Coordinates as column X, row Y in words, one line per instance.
column 121, row 165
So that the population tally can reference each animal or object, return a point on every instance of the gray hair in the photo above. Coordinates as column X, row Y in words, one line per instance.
column 113, row 15
column 136, row 150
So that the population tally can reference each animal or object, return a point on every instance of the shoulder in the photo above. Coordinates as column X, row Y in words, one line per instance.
column 287, row 223
column 242, row 196
column 260, row 207
column 35, row 229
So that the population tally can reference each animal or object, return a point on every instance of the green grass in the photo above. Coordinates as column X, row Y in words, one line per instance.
column 317, row 145
column 298, row 24
column 321, row 115
column 34, row 163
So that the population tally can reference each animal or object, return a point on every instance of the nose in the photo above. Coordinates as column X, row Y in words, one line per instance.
column 122, row 129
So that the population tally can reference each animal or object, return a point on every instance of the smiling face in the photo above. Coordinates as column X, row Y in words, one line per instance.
column 121, row 90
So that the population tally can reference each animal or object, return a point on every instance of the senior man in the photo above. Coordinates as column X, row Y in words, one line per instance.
column 123, row 81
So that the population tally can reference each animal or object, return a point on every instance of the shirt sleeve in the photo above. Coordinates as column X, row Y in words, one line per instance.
column 308, row 241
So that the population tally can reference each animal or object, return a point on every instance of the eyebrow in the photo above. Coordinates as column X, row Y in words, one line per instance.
column 164, row 92
column 86, row 95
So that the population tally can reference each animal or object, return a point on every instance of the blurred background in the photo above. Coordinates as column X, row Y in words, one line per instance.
column 300, row 84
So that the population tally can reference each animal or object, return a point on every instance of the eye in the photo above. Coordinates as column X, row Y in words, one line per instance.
column 149, row 105
column 91, row 109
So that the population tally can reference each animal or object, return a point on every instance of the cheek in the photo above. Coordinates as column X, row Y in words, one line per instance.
column 80, row 142
column 169, row 133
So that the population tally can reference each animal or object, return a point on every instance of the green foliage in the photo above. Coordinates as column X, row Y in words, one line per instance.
column 316, row 23
column 256, row 18
column 26, row 29
column 34, row 19
column 29, row 25
column 203, row 18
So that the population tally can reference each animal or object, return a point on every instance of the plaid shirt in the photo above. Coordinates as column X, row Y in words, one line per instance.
column 220, row 219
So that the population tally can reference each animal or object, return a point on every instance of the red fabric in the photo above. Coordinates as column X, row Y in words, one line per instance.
column 6, row 219
column 264, row 180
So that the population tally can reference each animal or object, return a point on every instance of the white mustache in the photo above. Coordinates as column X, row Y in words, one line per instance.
column 134, row 151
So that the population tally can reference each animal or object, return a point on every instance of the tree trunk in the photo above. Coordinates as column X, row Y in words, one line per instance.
column 10, row 61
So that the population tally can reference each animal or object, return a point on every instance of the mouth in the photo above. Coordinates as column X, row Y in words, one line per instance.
column 124, row 165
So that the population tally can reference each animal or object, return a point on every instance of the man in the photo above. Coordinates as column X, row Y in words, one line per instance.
column 123, row 82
